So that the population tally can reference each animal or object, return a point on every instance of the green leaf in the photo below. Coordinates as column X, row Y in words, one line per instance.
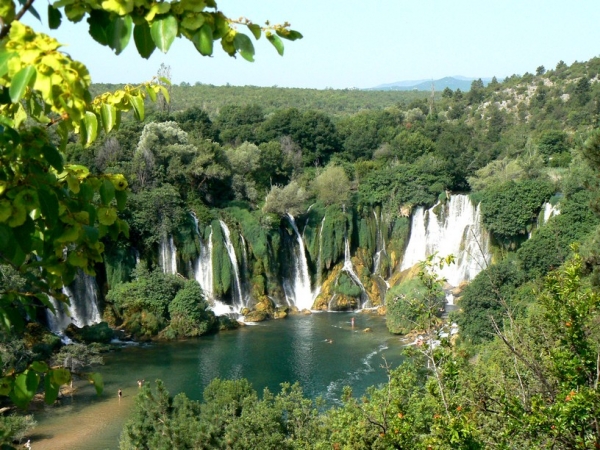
column 18, row 258
column 290, row 35
column 151, row 93
column 19, row 83
column 91, row 233
column 138, row 106
column 53, row 156
column 4, row 57
column 274, row 39
column 108, row 113
column 24, row 388
column 7, row 241
column 164, row 32
column 69, row 234
column 43, row 298
column 58, row 377
column 243, row 44
column 97, row 381
column 39, row 366
column 51, row 391
column 255, row 29
column 34, row 13
column 121, row 197
column 107, row 192
column 123, row 227
column 54, row 17
column 165, row 93
column 203, row 40
column 99, row 21
column 5, row 209
column 73, row 183
column 77, row 260
column 24, row 233
column 107, row 216
column 6, row 385
column 165, row 80
column 118, row 33
column 63, row 132
column 143, row 40
column 90, row 122
column 48, row 205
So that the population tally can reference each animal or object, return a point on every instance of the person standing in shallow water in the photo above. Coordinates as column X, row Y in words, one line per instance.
column 120, row 393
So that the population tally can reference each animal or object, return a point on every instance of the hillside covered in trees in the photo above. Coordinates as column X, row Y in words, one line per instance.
column 351, row 169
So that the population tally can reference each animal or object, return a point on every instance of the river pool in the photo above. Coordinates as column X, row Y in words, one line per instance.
column 267, row 354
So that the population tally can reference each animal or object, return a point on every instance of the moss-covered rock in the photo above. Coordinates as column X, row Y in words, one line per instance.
column 266, row 305
column 99, row 332
column 226, row 323
column 281, row 312
column 256, row 316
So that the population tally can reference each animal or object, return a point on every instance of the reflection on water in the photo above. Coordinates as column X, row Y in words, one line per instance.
column 321, row 351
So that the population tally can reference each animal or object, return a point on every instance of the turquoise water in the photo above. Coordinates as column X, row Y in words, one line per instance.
column 267, row 354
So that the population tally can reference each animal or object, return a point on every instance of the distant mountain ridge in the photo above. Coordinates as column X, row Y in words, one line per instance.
column 455, row 82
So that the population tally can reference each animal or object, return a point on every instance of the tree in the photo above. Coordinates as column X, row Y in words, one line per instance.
column 50, row 223
column 332, row 186
column 286, row 200
column 189, row 313
column 76, row 357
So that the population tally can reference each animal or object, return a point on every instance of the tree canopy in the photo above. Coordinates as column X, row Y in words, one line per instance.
column 54, row 216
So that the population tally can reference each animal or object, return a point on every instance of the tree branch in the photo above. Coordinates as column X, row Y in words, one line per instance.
column 24, row 9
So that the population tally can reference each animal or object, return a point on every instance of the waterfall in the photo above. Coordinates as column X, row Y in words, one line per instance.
column 244, row 269
column 380, row 246
column 550, row 211
column 457, row 231
column 203, row 272
column 349, row 269
column 238, row 299
column 320, row 262
column 167, row 254
column 299, row 291
column 83, row 308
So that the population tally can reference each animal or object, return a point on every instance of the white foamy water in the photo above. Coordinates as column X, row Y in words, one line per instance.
column 454, row 228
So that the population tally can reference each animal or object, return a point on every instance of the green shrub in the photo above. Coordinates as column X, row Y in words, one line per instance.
column 510, row 209
column 189, row 313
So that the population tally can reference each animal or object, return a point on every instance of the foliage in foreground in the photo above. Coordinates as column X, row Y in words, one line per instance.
column 534, row 386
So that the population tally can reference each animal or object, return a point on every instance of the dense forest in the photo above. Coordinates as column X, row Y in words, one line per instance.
column 351, row 170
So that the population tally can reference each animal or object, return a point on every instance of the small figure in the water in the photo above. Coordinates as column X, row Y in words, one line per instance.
column 329, row 341
column 120, row 393
column 140, row 383
column 352, row 322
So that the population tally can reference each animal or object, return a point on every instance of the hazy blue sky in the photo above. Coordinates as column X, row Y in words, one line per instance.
column 351, row 43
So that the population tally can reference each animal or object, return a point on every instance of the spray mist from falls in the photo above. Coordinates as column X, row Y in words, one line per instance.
column 550, row 211
column 238, row 295
column 454, row 228
column 299, row 290
column 203, row 271
column 83, row 309
column 167, row 254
